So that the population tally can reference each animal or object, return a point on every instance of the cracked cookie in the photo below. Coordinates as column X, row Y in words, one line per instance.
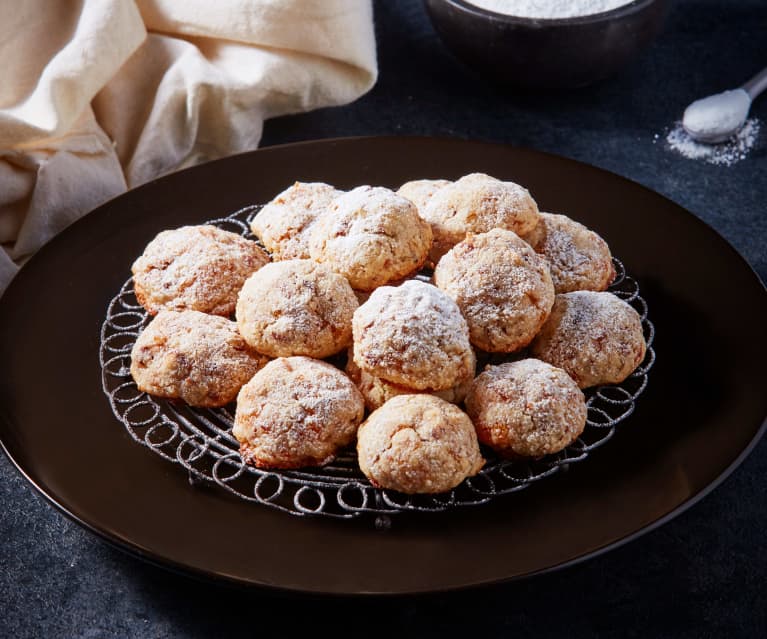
column 477, row 203
column 378, row 391
column 193, row 356
column 296, row 412
column 296, row 307
column 419, row 192
column 596, row 337
column 197, row 268
column 418, row 444
column 286, row 223
column 526, row 408
column 502, row 287
column 413, row 335
column 371, row 236
column 578, row 258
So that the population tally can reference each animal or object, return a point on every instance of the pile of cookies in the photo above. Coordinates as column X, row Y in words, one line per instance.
column 340, row 279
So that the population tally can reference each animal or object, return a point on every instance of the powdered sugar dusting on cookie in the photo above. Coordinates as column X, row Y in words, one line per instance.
column 526, row 408
column 296, row 412
column 285, row 224
column 418, row 444
column 198, row 268
column 419, row 192
column 477, row 203
column 412, row 335
column 296, row 307
column 502, row 287
column 596, row 337
column 193, row 356
column 577, row 257
column 372, row 236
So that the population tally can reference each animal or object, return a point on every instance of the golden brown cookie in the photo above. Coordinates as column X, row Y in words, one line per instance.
column 377, row 391
column 197, row 268
column 418, row 444
column 193, row 356
column 372, row 236
column 285, row 224
column 596, row 337
column 477, row 203
column 579, row 260
column 526, row 408
column 419, row 192
column 296, row 412
column 502, row 287
column 413, row 335
column 296, row 307
column 537, row 235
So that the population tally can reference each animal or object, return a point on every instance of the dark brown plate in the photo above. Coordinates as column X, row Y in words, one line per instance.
column 702, row 412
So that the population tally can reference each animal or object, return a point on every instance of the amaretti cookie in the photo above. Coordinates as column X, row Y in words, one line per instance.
column 578, row 258
column 296, row 412
column 377, row 391
column 419, row 192
column 413, row 335
column 477, row 203
column 418, row 444
column 197, row 268
column 526, row 408
column 502, row 287
column 285, row 224
column 596, row 337
column 371, row 236
column 198, row 358
column 296, row 307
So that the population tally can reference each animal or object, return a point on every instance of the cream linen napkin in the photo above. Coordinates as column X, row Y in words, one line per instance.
column 97, row 96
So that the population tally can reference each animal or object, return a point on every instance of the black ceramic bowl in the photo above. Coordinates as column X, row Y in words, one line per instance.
column 546, row 53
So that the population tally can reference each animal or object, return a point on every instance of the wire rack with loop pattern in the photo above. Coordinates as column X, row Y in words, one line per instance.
column 200, row 440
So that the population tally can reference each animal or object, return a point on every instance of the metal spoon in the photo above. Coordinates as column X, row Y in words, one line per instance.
column 718, row 117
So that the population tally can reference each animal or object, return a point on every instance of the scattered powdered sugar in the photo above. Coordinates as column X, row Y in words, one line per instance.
column 726, row 154
column 551, row 9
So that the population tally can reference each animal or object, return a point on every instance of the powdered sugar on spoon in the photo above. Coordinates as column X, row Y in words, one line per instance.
column 719, row 117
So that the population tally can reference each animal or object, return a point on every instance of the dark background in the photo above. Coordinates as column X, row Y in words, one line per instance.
column 701, row 575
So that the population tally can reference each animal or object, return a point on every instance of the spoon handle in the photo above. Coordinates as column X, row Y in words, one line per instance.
column 757, row 84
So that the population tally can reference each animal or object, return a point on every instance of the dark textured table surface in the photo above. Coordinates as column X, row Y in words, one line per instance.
column 703, row 574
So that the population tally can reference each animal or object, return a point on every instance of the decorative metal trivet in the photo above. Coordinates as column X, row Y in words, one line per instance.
column 200, row 439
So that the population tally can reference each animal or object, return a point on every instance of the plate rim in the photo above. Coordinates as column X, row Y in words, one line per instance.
column 136, row 550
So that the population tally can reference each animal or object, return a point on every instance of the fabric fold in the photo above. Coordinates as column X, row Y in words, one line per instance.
column 103, row 95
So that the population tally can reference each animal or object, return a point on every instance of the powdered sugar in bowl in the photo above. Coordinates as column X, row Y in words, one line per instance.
column 547, row 43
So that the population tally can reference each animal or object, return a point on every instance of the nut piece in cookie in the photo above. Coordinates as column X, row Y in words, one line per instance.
column 371, row 236
column 285, row 224
column 378, row 391
column 418, row 444
column 579, row 260
column 477, row 203
column 296, row 412
column 193, row 356
column 596, row 337
column 197, row 268
column 296, row 307
column 502, row 287
column 414, row 336
column 526, row 408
